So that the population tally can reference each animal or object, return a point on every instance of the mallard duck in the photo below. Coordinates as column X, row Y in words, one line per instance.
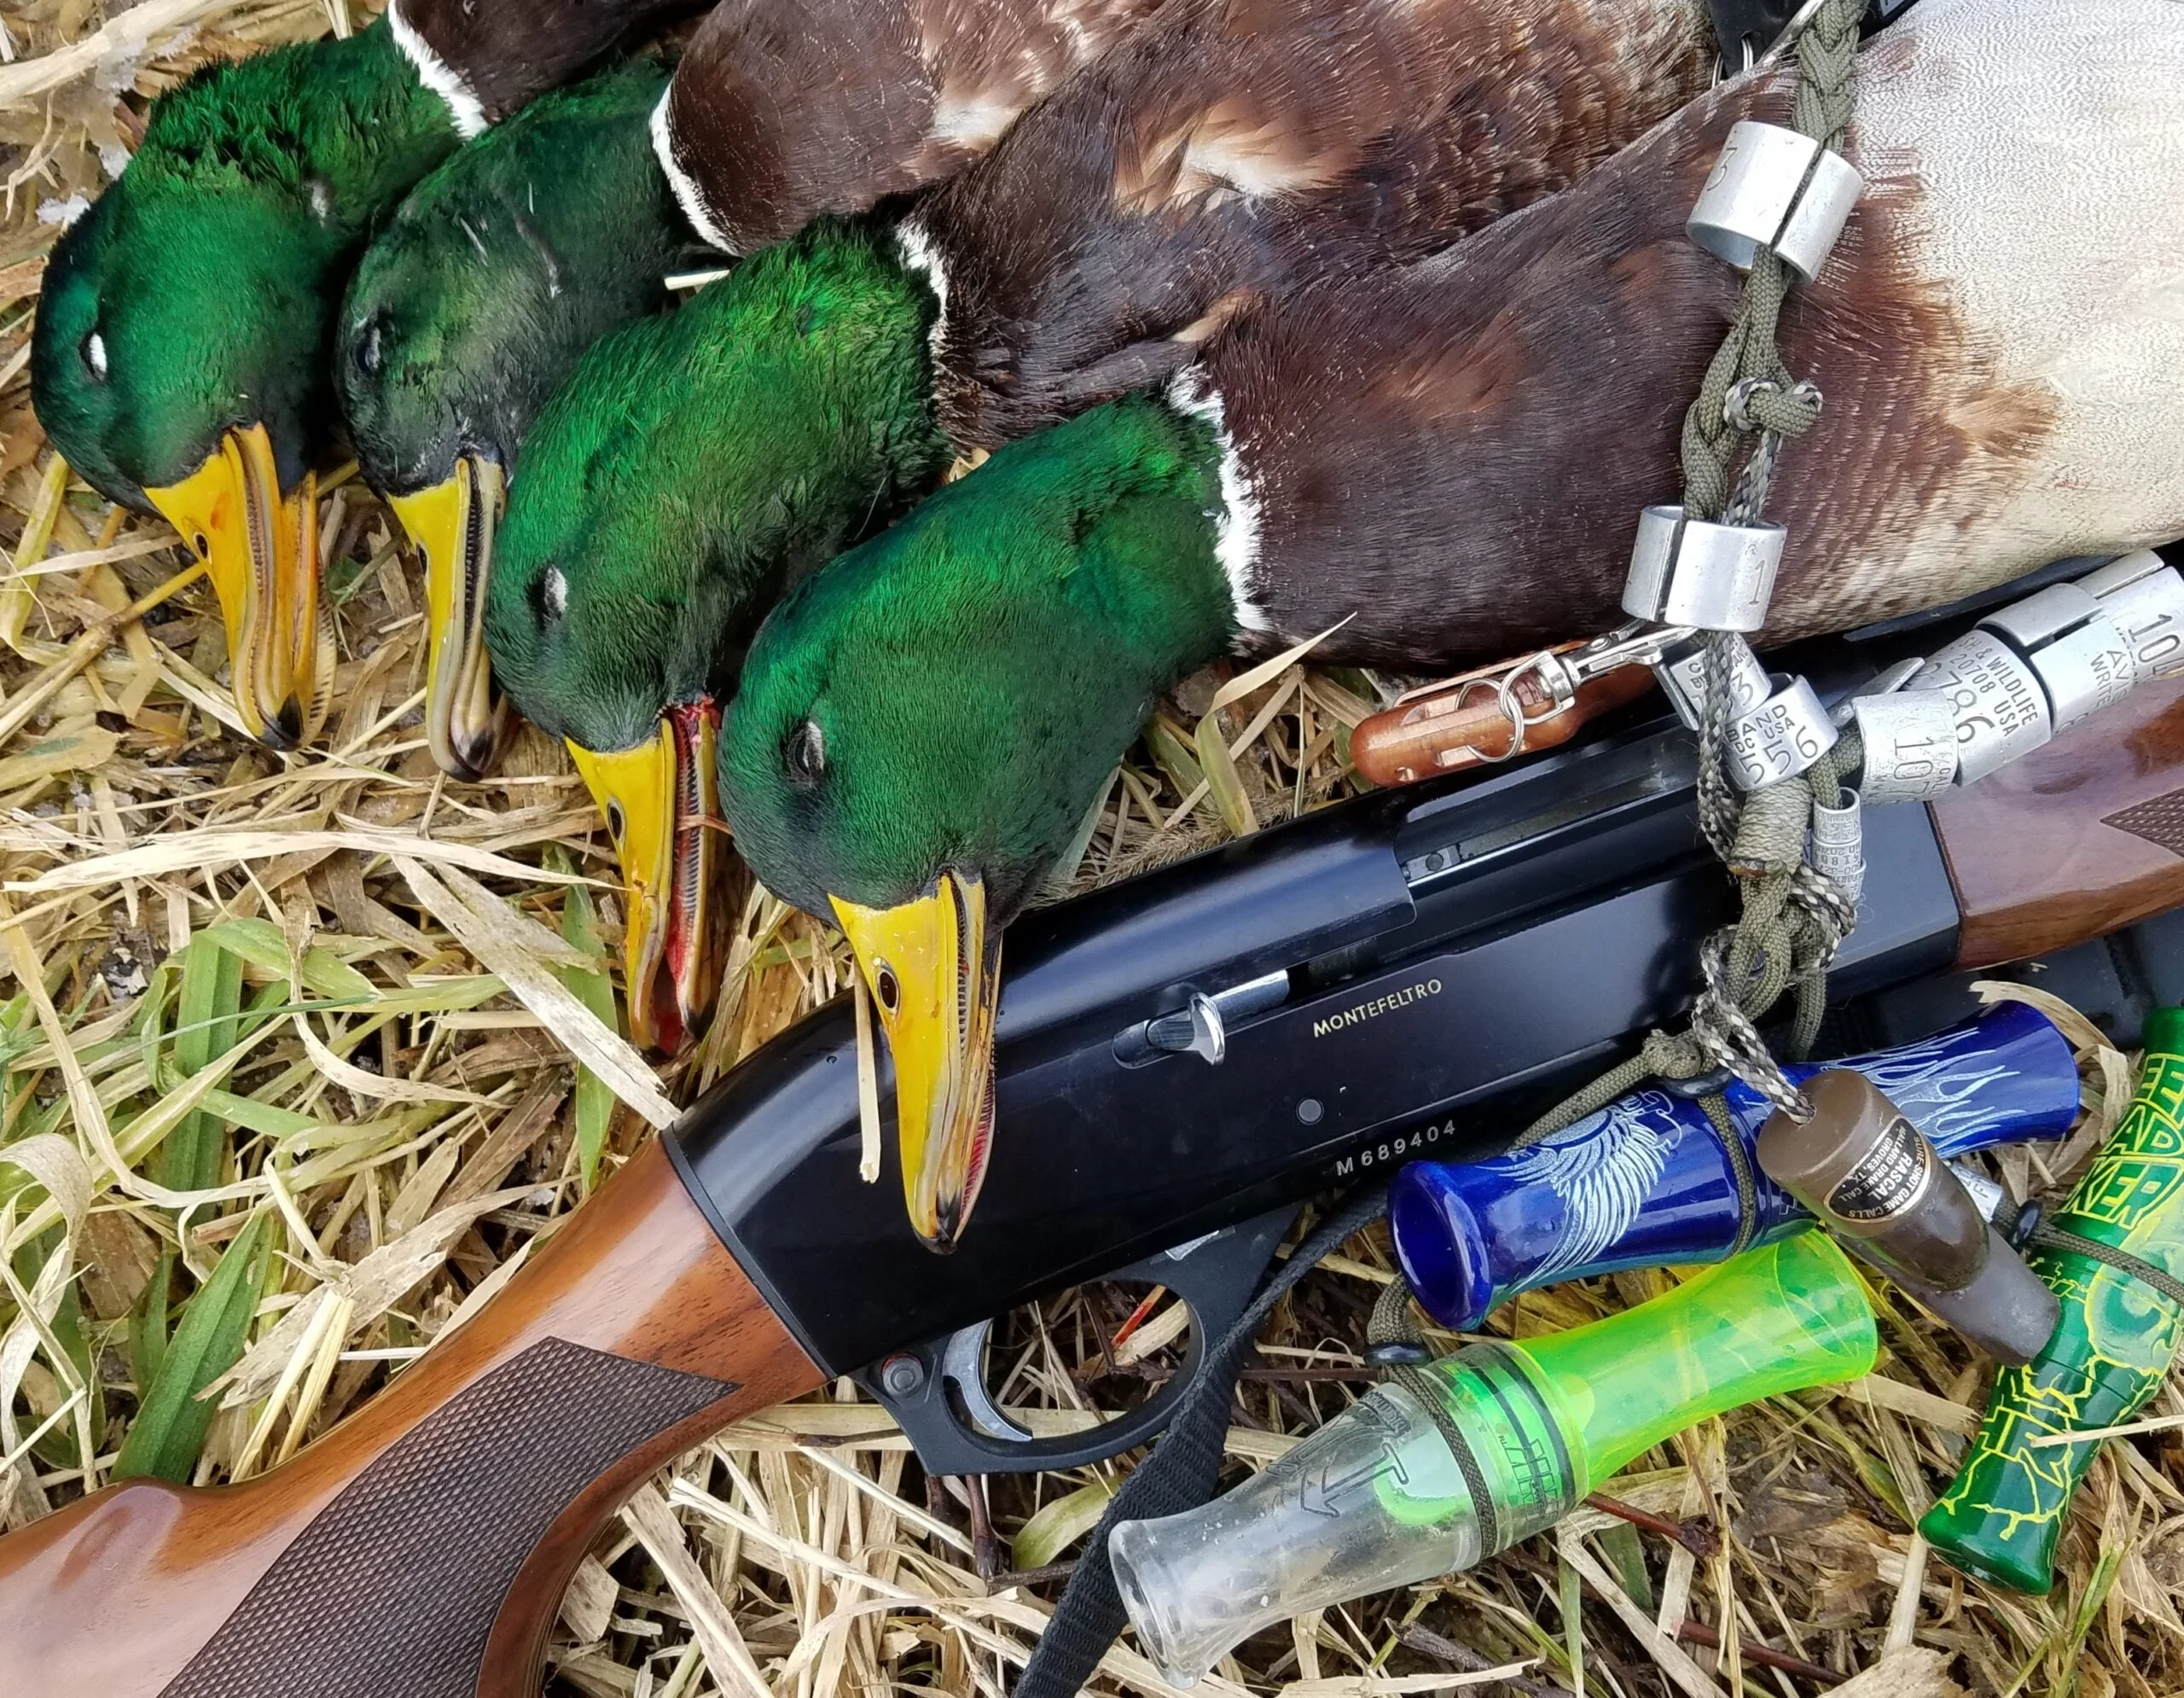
column 693, row 468
column 469, row 311
column 464, row 315
column 180, row 360
column 1452, row 457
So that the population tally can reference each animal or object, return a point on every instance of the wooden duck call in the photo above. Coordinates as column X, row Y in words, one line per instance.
column 1464, row 721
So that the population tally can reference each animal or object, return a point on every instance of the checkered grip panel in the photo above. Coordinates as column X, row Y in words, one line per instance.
column 2160, row 821
column 391, row 1592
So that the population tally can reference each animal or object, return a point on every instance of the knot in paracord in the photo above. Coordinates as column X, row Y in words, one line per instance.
column 1748, row 355
column 1760, row 404
column 1792, row 919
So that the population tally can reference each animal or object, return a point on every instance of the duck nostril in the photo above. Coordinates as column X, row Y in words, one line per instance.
column 289, row 721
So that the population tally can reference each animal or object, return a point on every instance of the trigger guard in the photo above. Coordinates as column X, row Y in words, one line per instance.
column 963, row 1365
column 1215, row 1276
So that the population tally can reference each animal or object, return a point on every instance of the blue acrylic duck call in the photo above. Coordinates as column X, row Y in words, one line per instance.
column 1645, row 1182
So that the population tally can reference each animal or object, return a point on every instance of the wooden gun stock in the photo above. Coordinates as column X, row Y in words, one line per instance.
column 420, row 1549
column 2076, row 839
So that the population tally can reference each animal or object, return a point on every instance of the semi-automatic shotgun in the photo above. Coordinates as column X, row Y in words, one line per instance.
column 1183, row 1059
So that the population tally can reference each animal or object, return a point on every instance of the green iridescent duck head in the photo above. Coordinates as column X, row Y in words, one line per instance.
column 923, row 724
column 694, row 466
column 468, row 311
column 181, row 357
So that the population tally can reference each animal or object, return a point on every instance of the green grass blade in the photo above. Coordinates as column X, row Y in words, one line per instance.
column 59, row 1447
column 436, row 996
column 171, row 1424
column 1572, row 1597
column 1223, row 779
column 1060, row 1523
column 2106, row 1569
column 595, row 991
column 147, row 1323
column 1627, row 1558
column 1175, row 755
column 259, row 942
column 205, row 1026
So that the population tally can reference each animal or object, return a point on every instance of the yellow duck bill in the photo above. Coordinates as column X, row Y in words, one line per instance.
column 661, row 811
column 452, row 525
column 934, row 966
column 260, row 548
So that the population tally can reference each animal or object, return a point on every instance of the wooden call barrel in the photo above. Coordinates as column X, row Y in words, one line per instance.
column 1461, row 724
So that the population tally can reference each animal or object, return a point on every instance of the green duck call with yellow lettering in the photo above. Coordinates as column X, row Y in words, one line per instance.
column 2001, row 1518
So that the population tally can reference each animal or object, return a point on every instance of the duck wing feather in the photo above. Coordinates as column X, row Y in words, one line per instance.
column 1233, row 149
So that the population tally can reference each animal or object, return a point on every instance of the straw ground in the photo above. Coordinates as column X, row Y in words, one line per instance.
column 300, row 1056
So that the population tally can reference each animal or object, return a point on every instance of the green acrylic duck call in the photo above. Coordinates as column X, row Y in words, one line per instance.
column 2001, row 1518
column 1391, row 1492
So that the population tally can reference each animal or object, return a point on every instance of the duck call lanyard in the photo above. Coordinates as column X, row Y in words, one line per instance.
column 1700, row 578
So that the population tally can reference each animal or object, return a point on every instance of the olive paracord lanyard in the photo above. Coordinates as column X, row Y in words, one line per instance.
column 2025, row 1226
column 1793, row 914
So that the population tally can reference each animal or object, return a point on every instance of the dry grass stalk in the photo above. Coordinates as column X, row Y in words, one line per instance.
column 376, row 1069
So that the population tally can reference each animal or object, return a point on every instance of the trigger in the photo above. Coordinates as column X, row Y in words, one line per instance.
column 963, row 1361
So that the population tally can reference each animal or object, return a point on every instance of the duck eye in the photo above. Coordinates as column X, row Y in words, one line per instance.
column 550, row 596
column 367, row 352
column 94, row 352
column 885, row 987
column 804, row 757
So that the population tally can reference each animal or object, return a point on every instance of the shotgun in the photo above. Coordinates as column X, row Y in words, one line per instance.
column 1183, row 1059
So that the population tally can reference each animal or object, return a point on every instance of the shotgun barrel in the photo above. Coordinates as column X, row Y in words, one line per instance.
column 1181, row 1060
